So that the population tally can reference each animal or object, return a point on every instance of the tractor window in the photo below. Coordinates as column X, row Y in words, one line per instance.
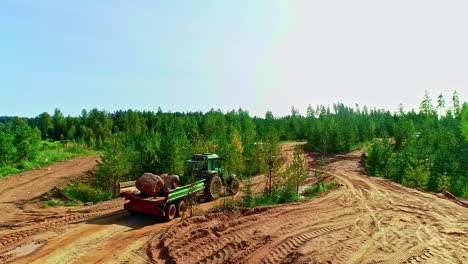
column 215, row 164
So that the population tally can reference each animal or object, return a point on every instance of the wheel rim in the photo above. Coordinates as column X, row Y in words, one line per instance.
column 215, row 188
column 171, row 211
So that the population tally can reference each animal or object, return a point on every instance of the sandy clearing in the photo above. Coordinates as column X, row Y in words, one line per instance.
column 118, row 238
column 368, row 220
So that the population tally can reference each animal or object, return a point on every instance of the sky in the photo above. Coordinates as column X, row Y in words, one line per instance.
column 256, row 55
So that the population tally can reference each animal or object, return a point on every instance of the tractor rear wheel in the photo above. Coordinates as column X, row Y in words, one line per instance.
column 213, row 187
column 170, row 212
column 181, row 207
column 233, row 187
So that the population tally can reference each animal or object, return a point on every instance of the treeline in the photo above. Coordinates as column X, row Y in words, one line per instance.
column 18, row 142
column 427, row 150
column 135, row 141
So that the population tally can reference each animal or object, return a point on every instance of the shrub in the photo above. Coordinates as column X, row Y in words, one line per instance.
column 5, row 171
column 277, row 196
column 57, row 202
column 318, row 189
column 86, row 193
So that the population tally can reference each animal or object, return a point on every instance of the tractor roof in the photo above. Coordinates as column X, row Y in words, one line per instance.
column 206, row 155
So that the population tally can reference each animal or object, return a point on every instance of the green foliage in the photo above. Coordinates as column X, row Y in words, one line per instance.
column 427, row 151
column 47, row 153
column 8, row 171
column 378, row 157
column 319, row 172
column 464, row 121
column 86, row 193
column 417, row 176
column 277, row 196
column 318, row 189
column 248, row 197
column 158, row 142
column 296, row 172
column 57, row 202
column 115, row 165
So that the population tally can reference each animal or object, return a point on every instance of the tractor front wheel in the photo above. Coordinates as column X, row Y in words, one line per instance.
column 233, row 187
column 213, row 187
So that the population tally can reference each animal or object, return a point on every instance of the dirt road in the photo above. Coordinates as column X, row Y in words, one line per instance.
column 88, row 235
column 367, row 220
column 17, row 190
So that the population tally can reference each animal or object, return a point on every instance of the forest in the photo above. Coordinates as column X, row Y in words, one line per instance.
column 425, row 149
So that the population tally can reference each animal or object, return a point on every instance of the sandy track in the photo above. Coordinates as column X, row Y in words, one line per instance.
column 100, row 238
column 16, row 190
column 30, row 184
column 368, row 220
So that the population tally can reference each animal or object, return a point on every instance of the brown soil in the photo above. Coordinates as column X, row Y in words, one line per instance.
column 102, row 233
column 367, row 220
column 17, row 191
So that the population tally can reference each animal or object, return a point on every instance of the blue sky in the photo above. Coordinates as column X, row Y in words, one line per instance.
column 258, row 55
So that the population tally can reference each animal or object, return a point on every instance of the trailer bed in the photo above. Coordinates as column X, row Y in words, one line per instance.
column 156, row 205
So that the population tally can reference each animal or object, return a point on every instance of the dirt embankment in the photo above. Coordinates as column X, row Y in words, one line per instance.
column 368, row 220
column 17, row 190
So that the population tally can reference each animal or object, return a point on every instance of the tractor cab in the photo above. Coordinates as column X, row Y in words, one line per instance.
column 208, row 166
column 203, row 165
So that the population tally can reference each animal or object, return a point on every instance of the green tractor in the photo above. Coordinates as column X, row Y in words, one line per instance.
column 204, row 175
column 208, row 166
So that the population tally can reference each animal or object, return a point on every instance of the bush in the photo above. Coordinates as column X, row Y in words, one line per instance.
column 5, row 171
column 277, row 196
column 86, row 193
column 318, row 189
column 26, row 165
column 57, row 202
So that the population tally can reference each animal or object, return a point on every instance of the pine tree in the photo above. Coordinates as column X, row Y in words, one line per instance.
column 296, row 172
column 456, row 103
column 440, row 104
column 426, row 105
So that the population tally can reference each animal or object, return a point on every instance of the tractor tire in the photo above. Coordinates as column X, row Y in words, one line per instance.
column 233, row 186
column 170, row 212
column 213, row 187
column 181, row 207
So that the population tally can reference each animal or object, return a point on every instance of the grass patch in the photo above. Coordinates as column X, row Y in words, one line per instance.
column 57, row 202
column 318, row 189
column 86, row 193
column 50, row 152
column 277, row 196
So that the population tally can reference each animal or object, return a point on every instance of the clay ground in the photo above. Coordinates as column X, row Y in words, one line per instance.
column 367, row 220
column 17, row 191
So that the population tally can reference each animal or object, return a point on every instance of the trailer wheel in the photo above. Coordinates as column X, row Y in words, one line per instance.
column 170, row 212
column 213, row 187
column 233, row 187
column 181, row 207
